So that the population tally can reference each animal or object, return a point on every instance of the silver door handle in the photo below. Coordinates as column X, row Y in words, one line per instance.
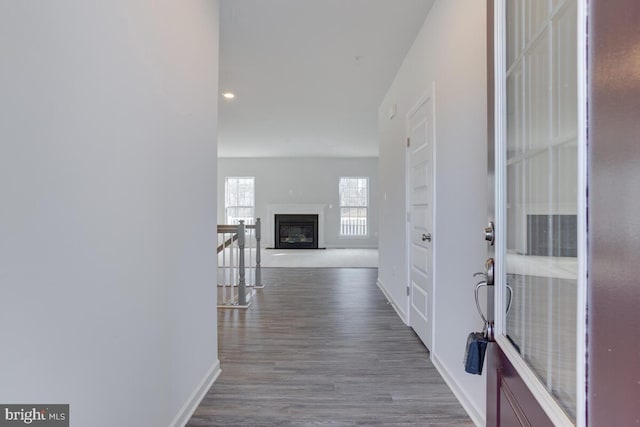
column 426, row 237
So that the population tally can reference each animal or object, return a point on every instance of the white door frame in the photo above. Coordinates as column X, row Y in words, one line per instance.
column 429, row 94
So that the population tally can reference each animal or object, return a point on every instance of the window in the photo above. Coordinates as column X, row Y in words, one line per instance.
column 354, row 206
column 239, row 199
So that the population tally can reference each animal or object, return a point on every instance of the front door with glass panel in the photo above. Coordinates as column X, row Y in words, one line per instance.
column 538, row 214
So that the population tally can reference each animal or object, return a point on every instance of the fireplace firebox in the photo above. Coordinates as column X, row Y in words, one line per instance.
column 296, row 231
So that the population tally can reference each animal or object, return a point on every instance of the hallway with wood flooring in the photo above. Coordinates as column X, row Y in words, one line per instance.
column 323, row 347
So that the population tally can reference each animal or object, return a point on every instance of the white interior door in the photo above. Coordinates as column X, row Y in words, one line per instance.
column 420, row 218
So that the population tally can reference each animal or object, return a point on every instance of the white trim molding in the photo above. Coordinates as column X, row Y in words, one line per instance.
column 396, row 307
column 190, row 406
column 581, row 347
column 474, row 413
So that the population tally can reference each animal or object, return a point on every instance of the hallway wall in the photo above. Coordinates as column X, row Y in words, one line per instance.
column 108, row 127
column 450, row 51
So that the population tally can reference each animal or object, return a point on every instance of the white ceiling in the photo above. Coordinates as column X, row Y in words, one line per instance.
column 309, row 75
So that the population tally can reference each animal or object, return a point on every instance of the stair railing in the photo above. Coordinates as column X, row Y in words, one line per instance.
column 238, row 287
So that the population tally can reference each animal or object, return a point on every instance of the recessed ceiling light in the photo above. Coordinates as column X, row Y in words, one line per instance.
column 229, row 95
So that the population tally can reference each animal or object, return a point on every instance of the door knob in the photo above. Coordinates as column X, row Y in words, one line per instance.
column 489, row 270
column 488, row 273
column 426, row 237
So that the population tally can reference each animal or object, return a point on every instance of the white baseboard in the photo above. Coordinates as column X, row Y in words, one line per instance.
column 351, row 246
column 396, row 307
column 190, row 406
column 269, row 247
column 476, row 415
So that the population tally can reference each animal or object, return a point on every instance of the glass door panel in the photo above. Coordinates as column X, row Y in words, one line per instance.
column 541, row 174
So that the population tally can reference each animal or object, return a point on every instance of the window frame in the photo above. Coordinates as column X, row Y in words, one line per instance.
column 366, row 207
column 226, row 198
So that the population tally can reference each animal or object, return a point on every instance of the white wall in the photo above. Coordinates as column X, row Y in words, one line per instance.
column 305, row 181
column 450, row 50
column 108, row 124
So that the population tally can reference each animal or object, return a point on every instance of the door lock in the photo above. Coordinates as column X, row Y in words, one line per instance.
column 490, row 233
column 426, row 237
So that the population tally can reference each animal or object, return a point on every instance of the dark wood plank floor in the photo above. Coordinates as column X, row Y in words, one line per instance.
column 323, row 347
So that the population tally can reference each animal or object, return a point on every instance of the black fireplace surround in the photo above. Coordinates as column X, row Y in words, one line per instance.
column 296, row 231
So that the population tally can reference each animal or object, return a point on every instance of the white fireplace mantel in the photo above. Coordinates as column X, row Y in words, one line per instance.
column 294, row 209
